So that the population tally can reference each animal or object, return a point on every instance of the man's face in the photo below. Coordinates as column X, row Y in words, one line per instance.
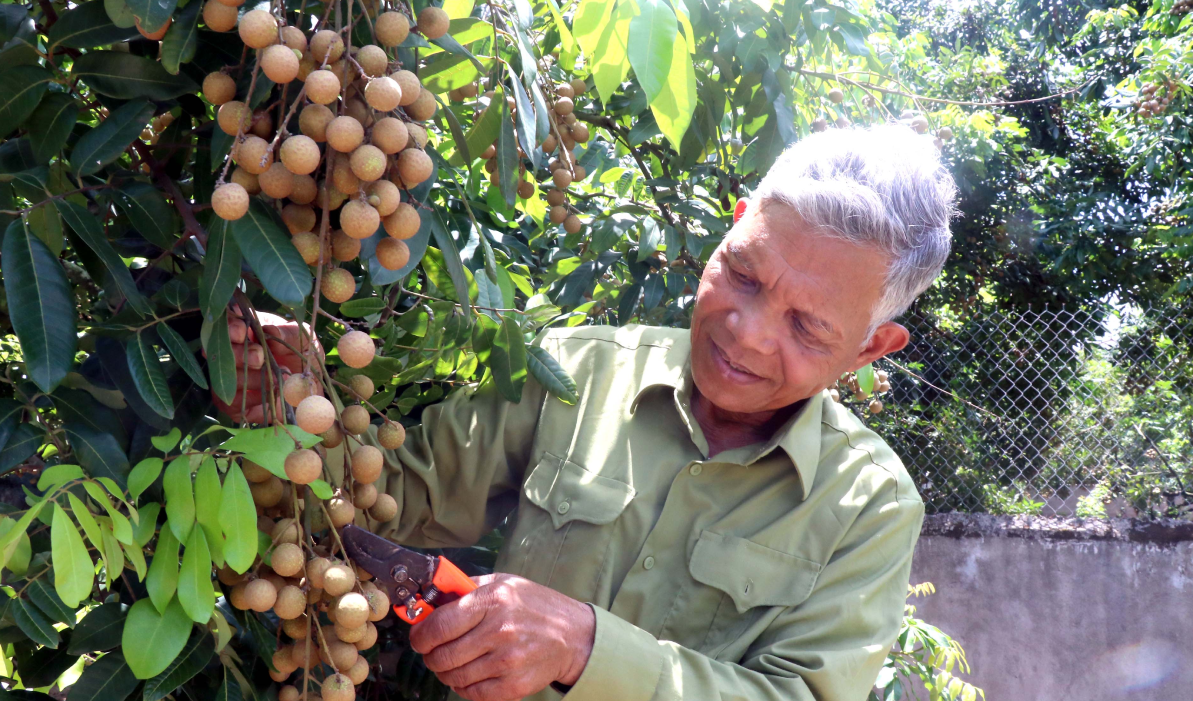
column 783, row 311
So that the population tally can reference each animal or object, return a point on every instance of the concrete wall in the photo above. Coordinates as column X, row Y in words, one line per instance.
column 1057, row 609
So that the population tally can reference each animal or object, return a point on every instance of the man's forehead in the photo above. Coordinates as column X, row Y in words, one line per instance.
column 802, row 290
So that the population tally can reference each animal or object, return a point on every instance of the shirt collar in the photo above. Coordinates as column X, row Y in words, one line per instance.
column 799, row 437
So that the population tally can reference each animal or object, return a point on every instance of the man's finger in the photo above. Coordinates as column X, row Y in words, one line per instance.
column 248, row 378
column 255, row 356
column 237, row 330
column 488, row 666
column 497, row 689
column 446, row 624
column 459, row 652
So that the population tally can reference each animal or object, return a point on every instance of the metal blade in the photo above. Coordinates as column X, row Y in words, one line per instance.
column 401, row 571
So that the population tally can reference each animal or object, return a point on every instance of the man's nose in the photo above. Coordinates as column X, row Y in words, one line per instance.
column 753, row 328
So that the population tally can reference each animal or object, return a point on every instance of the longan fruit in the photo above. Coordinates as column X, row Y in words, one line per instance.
column 392, row 254
column 280, row 63
column 332, row 437
column 234, row 117
column 352, row 610
column 229, row 576
column 370, row 638
column 230, row 201
column 326, row 45
column 392, row 28
column 564, row 105
column 373, row 60
column 361, row 386
column 342, row 512
column 313, row 121
column 558, row 214
column 383, row 94
column 556, row 198
column 287, row 530
column 232, row 3
column 414, row 166
column 296, row 628
column 305, row 657
column 315, row 414
column 258, row 29
column 579, row 87
column 315, row 571
column 323, row 87
column 253, row 154
column 218, row 88
column 288, row 692
column 344, row 248
column 525, row 189
column 355, row 419
column 363, row 575
column 580, row 133
column 245, row 179
column 423, row 107
column 550, row 143
column 350, row 635
column 338, row 579
column 304, row 190
column 296, row 388
column 219, row 17
column 299, row 217
column 236, row 597
column 359, row 219
column 367, row 462
column 303, row 467
column 385, row 509
column 340, row 654
column 565, row 90
column 368, row 163
column 338, row 287
column 342, row 177
column 300, row 154
column 433, row 22
column 277, row 181
column 390, row 135
column 364, row 495
column 581, row 173
column 410, row 84
column 379, row 605
column 344, row 134
column 387, row 195
column 291, row 602
column 391, row 435
column 562, row 178
column 404, row 222
column 572, row 224
column 283, row 663
column 333, row 197
column 287, row 559
column 356, row 349
column 260, row 595
column 253, row 472
column 294, row 38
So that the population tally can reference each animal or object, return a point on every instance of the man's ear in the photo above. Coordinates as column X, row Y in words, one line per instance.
column 739, row 209
column 888, row 338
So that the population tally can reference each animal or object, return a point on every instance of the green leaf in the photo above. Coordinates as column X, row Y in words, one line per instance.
column 182, row 38
column 51, row 124
column 107, row 141
column 181, row 354
column 229, row 689
column 34, row 623
column 167, row 442
column 193, row 658
column 162, row 579
column 652, row 34
column 17, row 555
column 152, row 640
column 125, row 76
column 10, row 414
column 451, row 259
column 153, row 14
column 239, row 518
column 88, row 228
column 508, row 360
column 74, row 571
column 565, row 34
column 87, row 521
column 137, row 557
column 360, row 308
column 150, row 213
column 107, row 679
column 507, row 153
column 548, row 372
column 483, row 133
column 221, row 364
column 23, row 443
column 610, row 62
column 269, row 446
column 42, row 593
column 865, row 378
column 41, row 305
column 58, row 474
column 147, row 374
column 9, row 536
column 21, row 88
column 267, row 248
column 321, row 489
column 676, row 100
column 95, row 434
column 208, row 496
column 146, row 523
column 144, row 474
column 450, row 71
column 221, row 270
column 180, row 497
column 99, row 630
column 86, row 26
column 122, row 531
column 195, row 590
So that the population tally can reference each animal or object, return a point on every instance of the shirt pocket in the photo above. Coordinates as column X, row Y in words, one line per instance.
column 750, row 583
column 565, row 527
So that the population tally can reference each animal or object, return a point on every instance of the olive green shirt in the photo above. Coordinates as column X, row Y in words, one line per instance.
column 772, row 571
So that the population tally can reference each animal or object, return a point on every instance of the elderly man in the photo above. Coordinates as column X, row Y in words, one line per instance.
column 705, row 523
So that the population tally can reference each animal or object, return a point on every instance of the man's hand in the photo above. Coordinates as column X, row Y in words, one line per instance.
column 251, row 360
column 507, row 639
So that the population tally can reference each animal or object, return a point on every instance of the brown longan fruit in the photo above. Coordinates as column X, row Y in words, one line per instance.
column 315, row 570
column 277, row 181
column 300, row 154
column 385, row 509
column 287, row 530
column 253, row 154
column 260, row 595
column 373, row 60
column 368, row 163
column 364, row 495
column 525, row 189
column 340, row 654
column 565, row 90
column 555, row 197
column 283, row 663
column 558, row 214
column 303, row 467
column 323, row 87
column 387, row 195
column 423, row 107
column 390, row 135
column 564, row 105
column 361, row 386
column 383, row 94
column 315, row 414
column 369, row 639
column 305, row 657
column 392, row 28
column 334, row 198
column 234, row 117
column 219, row 17
column 313, row 121
column 391, row 435
column 307, row 244
column 304, row 190
column 280, row 63
column 230, row 201
column 258, row 29
column 344, row 248
column 338, row 579
column 350, row 635
column 294, row 38
column 433, row 22
column 326, row 45
column 296, row 388
column 236, row 597
column 288, row 692
column 218, row 88
column 562, row 178
column 344, row 134
column 367, row 462
column 410, row 84
column 392, row 254
column 579, row 87
column 342, row 177
column 356, row 349
column 379, row 605
column 359, row 219
column 332, row 438
column 262, row 124
column 414, row 166
column 299, row 217
column 253, row 472
column 550, row 143
column 572, row 224
column 338, row 287
column 355, row 419
column 229, row 576
column 247, row 180
column 352, row 610
column 342, row 512
column 291, row 602
column 287, row 559
column 296, row 628
column 404, row 222
column 580, row 174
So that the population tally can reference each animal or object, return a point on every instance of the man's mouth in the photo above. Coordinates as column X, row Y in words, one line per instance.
column 738, row 369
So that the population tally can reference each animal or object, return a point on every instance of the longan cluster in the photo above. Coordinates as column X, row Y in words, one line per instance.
column 882, row 384
column 349, row 146
column 1181, row 7
column 1154, row 98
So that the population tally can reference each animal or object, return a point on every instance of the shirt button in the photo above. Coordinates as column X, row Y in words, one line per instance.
column 648, row 562
column 563, row 507
column 696, row 470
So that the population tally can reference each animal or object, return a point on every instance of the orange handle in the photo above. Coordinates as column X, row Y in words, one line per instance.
column 451, row 583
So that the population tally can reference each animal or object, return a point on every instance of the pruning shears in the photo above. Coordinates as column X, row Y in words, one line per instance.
column 415, row 582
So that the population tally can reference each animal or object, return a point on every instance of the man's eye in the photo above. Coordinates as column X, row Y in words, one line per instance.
column 740, row 279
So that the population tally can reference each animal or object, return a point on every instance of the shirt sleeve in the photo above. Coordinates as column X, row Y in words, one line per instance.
column 829, row 648
column 457, row 474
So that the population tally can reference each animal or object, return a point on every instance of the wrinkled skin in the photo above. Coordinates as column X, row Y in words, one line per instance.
column 781, row 313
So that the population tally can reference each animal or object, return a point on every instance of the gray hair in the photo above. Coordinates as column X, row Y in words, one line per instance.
column 882, row 186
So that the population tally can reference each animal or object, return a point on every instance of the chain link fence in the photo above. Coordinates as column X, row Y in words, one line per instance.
column 1084, row 413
